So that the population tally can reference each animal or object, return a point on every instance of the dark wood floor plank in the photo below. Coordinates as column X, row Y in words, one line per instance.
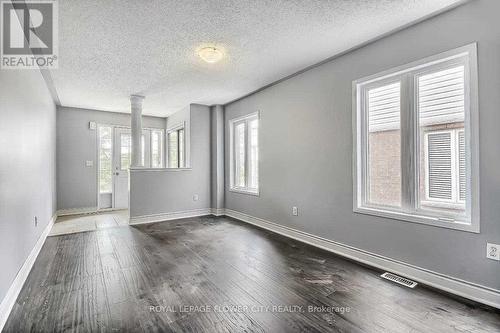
column 132, row 279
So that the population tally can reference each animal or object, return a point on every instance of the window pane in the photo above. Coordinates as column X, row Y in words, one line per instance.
column 461, row 165
column 173, row 162
column 181, row 149
column 143, row 151
column 156, row 149
column 125, row 149
column 384, row 145
column 441, row 114
column 105, row 159
column 253, row 162
column 439, row 166
column 239, row 155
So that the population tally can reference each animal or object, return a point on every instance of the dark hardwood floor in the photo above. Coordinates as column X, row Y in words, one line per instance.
column 236, row 277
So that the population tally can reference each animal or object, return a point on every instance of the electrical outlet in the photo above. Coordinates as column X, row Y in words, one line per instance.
column 493, row 251
column 36, row 221
column 195, row 197
column 295, row 211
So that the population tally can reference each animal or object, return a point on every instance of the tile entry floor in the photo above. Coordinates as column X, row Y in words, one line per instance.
column 89, row 222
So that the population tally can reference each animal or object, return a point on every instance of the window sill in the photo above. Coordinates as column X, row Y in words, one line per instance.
column 244, row 191
column 422, row 219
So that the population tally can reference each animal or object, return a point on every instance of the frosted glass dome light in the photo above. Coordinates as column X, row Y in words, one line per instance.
column 210, row 54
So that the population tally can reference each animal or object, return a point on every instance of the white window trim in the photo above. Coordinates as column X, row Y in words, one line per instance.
column 232, row 123
column 409, row 212
column 175, row 128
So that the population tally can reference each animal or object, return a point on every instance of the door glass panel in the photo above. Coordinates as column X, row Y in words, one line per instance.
column 105, row 160
column 125, row 151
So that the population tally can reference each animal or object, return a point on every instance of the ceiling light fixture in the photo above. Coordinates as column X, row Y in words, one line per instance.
column 210, row 54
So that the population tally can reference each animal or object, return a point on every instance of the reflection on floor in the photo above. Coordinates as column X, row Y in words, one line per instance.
column 89, row 222
column 216, row 274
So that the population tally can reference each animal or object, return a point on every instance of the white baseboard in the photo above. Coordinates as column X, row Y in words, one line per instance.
column 16, row 286
column 218, row 211
column 77, row 211
column 475, row 292
column 169, row 216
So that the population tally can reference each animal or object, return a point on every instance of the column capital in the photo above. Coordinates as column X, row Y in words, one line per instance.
column 136, row 100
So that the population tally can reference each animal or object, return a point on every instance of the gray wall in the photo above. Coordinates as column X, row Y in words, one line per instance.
column 166, row 191
column 306, row 149
column 76, row 143
column 27, row 167
column 217, row 155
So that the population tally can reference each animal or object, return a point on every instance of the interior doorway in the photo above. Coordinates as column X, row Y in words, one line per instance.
column 114, row 147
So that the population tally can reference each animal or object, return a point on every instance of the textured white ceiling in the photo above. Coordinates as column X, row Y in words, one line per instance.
column 109, row 49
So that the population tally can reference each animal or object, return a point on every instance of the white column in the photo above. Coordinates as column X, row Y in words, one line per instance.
column 136, row 125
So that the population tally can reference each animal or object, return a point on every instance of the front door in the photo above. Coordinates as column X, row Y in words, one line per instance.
column 121, row 163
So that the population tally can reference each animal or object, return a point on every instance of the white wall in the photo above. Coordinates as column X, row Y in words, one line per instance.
column 306, row 149
column 76, row 143
column 27, row 167
column 163, row 191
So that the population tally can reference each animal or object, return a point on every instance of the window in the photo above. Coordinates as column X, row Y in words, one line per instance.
column 156, row 149
column 244, row 154
column 176, row 148
column 105, row 159
column 126, row 151
column 416, row 154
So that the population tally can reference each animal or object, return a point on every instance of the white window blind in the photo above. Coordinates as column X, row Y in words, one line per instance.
column 445, row 155
column 439, row 165
column 461, row 166
column 441, row 96
column 384, row 107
